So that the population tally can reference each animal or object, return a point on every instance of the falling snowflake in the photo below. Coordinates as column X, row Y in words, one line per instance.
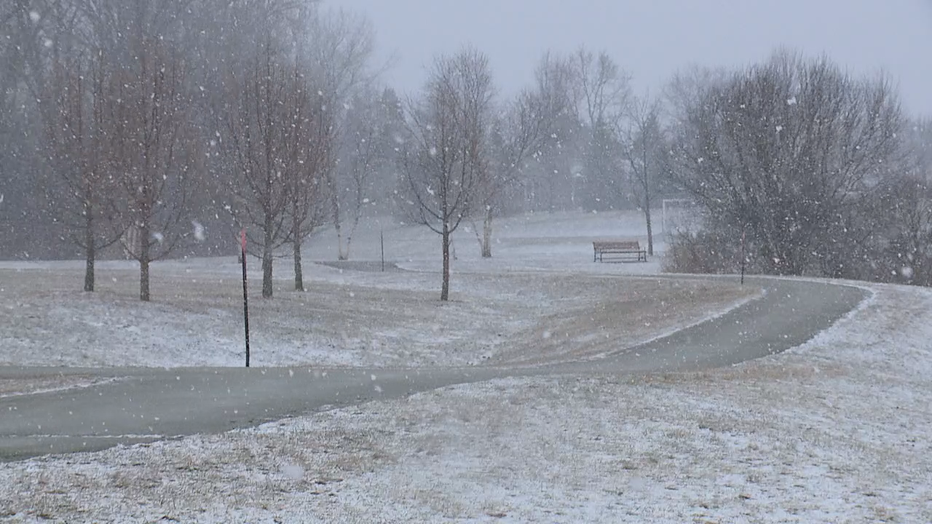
column 791, row 101
column 199, row 233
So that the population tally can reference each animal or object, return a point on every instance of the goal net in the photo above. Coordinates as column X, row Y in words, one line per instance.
column 680, row 215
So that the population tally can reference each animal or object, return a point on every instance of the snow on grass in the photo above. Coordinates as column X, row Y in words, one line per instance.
column 542, row 282
column 344, row 319
column 834, row 431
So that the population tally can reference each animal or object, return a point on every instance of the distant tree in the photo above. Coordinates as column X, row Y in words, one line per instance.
column 517, row 135
column 909, row 250
column 27, row 215
column 339, row 48
column 645, row 151
column 559, row 155
column 445, row 154
column 363, row 156
column 603, row 94
column 782, row 149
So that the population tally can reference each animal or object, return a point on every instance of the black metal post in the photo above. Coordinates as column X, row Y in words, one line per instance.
column 245, row 296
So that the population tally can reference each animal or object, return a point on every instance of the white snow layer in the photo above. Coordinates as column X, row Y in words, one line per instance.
column 834, row 431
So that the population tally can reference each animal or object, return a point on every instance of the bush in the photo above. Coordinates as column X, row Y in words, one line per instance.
column 702, row 252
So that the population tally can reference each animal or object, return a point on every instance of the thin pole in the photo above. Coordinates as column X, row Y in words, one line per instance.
column 744, row 257
column 245, row 294
column 382, row 244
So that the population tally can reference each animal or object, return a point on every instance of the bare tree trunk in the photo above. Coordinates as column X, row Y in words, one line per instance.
column 89, row 249
column 267, row 258
column 335, row 210
column 650, row 233
column 341, row 255
column 349, row 237
column 487, row 233
column 144, row 263
column 298, row 274
column 445, row 289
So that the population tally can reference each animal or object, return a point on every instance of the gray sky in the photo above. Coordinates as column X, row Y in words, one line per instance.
column 653, row 38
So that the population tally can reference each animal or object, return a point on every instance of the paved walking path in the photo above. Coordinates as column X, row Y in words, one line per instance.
column 149, row 404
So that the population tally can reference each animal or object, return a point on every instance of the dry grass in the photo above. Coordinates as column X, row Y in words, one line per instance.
column 368, row 319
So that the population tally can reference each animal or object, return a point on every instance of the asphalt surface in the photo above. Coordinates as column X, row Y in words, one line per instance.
column 139, row 405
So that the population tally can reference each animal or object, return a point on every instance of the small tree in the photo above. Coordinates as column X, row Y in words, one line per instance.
column 645, row 153
column 339, row 47
column 444, row 158
column 259, row 104
column 517, row 135
column 77, row 132
column 152, row 155
column 361, row 160
column 308, row 144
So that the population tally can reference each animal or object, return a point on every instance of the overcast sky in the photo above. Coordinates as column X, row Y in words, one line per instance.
column 653, row 38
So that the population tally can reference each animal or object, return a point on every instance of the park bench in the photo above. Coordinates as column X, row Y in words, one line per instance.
column 629, row 250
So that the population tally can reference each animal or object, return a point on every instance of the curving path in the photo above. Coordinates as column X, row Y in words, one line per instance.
column 150, row 404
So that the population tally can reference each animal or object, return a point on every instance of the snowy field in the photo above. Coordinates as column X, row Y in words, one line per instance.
column 539, row 294
column 834, row 431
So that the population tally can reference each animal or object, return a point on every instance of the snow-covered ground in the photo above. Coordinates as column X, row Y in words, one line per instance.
column 834, row 431
column 352, row 313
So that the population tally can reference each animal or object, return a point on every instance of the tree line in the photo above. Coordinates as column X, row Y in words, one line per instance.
column 153, row 128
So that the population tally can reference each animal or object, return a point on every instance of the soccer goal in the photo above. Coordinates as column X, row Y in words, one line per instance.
column 679, row 215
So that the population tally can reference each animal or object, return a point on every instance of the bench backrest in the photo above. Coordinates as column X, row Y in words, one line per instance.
column 632, row 245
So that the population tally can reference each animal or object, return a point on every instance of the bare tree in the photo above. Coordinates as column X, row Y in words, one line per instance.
column 444, row 158
column 339, row 48
column 361, row 160
column 603, row 88
column 28, row 220
column 259, row 103
column 783, row 149
column 909, row 251
column 517, row 135
column 79, row 129
column 603, row 94
column 308, row 144
column 645, row 153
column 152, row 155
column 558, row 153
